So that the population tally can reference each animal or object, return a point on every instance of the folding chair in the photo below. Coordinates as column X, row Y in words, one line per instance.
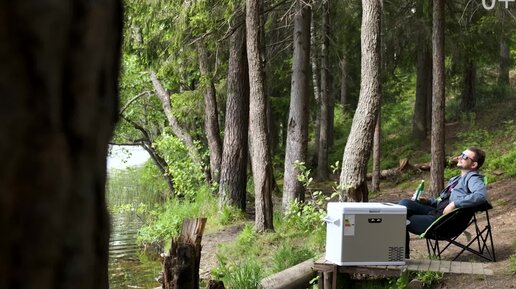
column 448, row 228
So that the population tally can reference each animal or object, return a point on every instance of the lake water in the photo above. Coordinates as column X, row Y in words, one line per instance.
column 128, row 266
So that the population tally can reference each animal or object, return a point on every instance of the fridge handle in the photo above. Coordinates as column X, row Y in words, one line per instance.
column 329, row 220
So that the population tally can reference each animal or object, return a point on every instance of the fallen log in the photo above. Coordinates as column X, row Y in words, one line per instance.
column 298, row 276
column 181, row 266
column 404, row 166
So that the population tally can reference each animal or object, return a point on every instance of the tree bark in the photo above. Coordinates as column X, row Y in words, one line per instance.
column 259, row 140
column 343, row 82
column 211, row 119
column 468, row 97
column 180, row 132
column 376, row 154
column 423, row 93
column 181, row 266
column 505, row 63
column 438, row 100
column 316, row 82
column 297, row 134
column 324, row 130
column 58, row 108
column 233, row 178
column 353, row 184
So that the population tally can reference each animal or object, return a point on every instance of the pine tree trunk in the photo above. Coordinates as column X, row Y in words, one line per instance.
column 375, row 186
column 438, row 101
column 58, row 104
column 324, row 129
column 468, row 98
column 316, row 82
column 233, row 178
column 353, row 184
column 179, row 131
column 343, row 82
column 258, row 140
column 423, row 82
column 505, row 63
column 211, row 120
column 297, row 134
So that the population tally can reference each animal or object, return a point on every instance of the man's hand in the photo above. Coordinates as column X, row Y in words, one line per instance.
column 423, row 200
column 449, row 208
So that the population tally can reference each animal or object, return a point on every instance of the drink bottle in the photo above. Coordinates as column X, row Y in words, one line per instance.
column 419, row 191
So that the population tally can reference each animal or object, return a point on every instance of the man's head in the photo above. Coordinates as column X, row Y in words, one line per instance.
column 471, row 159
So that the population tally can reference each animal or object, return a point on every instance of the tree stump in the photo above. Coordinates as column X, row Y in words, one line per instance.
column 181, row 266
column 215, row 284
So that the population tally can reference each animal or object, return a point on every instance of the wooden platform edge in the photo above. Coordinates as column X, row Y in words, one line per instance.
column 414, row 265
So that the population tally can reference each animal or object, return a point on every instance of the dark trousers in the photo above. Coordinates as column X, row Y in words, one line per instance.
column 420, row 220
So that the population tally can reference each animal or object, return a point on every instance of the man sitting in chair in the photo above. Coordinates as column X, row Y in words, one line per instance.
column 463, row 191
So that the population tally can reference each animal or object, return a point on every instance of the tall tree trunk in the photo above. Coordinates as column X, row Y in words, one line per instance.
column 343, row 82
column 233, row 178
column 423, row 93
column 179, row 131
column 505, row 63
column 259, row 140
column 358, row 147
column 375, row 186
column 324, row 130
column 211, row 120
column 58, row 108
column 316, row 82
column 438, row 101
column 468, row 98
column 297, row 134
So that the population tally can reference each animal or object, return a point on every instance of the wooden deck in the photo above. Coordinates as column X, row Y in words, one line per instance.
column 454, row 267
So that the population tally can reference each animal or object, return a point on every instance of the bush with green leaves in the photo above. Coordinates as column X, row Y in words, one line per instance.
column 238, row 274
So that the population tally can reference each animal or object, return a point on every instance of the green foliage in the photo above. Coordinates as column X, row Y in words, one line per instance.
column 429, row 278
column 306, row 216
column 235, row 275
column 167, row 221
column 287, row 256
column 512, row 259
column 400, row 282
column 134, row 186
column 188, row 176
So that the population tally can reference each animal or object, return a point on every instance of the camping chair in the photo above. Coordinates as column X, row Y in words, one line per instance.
column 448, row 228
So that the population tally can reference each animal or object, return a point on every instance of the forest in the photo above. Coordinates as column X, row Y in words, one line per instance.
column 255, row 114
column 266, row 110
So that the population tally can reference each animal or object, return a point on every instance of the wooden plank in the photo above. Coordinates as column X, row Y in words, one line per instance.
column 455, row 267
column 477, row 268
column 412, row 265
column 434, row 265
column 486, row 270
column 445, row 266
column 466, row 268
column 423, row 265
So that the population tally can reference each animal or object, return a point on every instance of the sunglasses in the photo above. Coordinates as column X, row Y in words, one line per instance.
column 465, row 157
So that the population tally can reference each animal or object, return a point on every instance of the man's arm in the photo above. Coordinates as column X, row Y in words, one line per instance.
column 476, row 195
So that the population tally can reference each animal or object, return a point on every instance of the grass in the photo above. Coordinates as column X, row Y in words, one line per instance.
column 512, row 259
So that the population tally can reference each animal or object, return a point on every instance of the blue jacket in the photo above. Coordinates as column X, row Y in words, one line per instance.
column 470, row 191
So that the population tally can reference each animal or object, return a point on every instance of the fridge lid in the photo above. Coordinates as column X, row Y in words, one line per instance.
column 365, row 208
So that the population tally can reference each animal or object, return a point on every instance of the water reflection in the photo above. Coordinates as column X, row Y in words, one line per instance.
column 128, row 268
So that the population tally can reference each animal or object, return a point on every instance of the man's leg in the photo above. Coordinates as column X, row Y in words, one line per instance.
column 413, row 209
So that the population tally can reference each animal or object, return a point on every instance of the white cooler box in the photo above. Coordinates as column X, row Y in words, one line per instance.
column 365, row 233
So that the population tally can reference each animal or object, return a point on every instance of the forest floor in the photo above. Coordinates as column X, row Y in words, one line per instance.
column 502, row 196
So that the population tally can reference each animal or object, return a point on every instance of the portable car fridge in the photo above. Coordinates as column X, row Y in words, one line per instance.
column 365, row 233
